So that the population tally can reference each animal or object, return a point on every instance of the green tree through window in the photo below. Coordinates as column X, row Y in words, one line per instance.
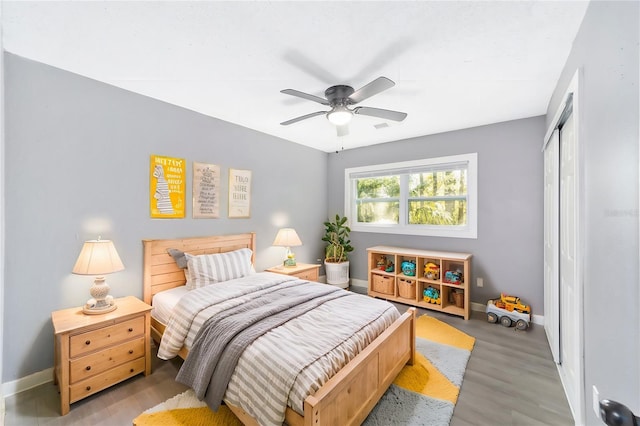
column 378, row 199
column 436, row 196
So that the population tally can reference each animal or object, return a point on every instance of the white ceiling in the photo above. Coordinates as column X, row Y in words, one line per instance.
column 456, row 64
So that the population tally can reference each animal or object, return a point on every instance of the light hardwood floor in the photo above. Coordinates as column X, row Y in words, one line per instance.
column 510, row 380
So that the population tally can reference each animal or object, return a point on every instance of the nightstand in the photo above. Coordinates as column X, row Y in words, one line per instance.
column 304, row 271
column 94, row 352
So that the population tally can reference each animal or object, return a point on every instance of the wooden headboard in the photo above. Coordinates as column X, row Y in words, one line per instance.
column 160, row 271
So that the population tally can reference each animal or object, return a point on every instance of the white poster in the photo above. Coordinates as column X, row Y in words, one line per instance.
column 239, row 193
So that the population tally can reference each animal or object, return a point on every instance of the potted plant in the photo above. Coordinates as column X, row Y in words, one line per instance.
column 336, row 261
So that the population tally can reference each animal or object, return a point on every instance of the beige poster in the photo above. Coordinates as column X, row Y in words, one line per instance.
column 206, row 191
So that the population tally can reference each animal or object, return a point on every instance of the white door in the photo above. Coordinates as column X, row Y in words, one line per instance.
column 570, row 292
column 551, row 239
column 563, row 292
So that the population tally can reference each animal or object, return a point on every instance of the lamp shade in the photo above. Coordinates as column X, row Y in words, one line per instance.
column 287, row 237
column 98, row 257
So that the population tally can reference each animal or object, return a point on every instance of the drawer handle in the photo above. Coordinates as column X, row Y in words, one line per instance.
column 130, row 351
column 130, row 329
column 88, row 342
column 88, row 367
column 131, row 371
column 88, row 388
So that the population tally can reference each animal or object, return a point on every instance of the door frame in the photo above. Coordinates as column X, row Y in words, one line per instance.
column 2, row 217
column 577, row 402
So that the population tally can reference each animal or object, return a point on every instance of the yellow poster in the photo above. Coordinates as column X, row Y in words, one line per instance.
column 167, row 179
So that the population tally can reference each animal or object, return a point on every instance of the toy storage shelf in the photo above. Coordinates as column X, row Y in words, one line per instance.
column 409, row 289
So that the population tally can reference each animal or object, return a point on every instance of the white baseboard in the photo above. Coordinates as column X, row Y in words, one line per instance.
column 359, row 283
column 537, row 319
column 478, row 307
column 25, row 383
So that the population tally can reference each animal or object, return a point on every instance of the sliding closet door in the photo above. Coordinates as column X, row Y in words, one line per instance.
column 551, row 239
column 561, row 297
column 571, row 345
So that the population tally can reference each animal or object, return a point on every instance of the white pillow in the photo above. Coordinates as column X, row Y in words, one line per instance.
column 208, row 269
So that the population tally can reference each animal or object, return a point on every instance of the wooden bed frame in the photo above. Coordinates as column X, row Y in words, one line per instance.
column 345, row 399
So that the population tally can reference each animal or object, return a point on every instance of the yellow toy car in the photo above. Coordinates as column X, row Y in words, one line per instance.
column 431, row 271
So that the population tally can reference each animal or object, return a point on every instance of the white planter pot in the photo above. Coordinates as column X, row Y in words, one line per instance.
column 337, row 273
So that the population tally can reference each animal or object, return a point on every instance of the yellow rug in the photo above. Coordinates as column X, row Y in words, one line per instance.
column 198, row 416
column 426, row 378
column 423, row 394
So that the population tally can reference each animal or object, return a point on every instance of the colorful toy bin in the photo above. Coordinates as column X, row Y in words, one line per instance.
column 431, row 295
column 408, row 268
column 453, row 277
column 431, row 271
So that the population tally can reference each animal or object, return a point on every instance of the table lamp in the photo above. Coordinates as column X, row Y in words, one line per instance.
column 98, row 257
column 287, row 237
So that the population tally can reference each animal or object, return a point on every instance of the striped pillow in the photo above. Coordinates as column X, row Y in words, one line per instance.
column 208, row 269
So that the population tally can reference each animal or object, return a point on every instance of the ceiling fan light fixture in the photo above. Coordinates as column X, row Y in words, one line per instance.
column 340, row 97
column 339, row 116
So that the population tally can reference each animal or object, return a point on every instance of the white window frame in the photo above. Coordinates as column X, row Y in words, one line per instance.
column 470, row 230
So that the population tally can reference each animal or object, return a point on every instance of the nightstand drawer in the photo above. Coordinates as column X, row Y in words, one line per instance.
column 104, row 380
column 103, row 360
column 311, row 275
column 90, row 341
column 304, row 271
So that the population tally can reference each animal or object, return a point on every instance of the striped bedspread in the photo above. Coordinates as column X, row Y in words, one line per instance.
column 285, row 365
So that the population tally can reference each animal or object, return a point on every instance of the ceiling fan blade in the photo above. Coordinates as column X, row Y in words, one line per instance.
column 343, row 130
column 373, row 88
column 302, row 117
column 303, row 95
column 381, row 113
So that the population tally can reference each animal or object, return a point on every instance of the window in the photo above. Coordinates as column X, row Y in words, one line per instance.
column 434, row 196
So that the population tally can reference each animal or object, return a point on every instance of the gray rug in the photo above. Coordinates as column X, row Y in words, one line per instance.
column 400, row 406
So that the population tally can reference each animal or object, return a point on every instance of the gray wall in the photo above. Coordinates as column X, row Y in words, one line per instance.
column 606, row 51
column 77, row 165
column 508, row 250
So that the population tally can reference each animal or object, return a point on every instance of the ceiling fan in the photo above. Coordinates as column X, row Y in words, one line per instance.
column 340, row 97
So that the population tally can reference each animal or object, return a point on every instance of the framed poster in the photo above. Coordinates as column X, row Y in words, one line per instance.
column 167, row 178
column 206, row 191
column 239, row 193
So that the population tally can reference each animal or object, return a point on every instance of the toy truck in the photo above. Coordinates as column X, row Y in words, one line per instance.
column 512, row 303
column 509, row 310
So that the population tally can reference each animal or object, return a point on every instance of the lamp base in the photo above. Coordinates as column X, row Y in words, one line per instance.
column 96, row 311
column 290, row 262
column 102, row 302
